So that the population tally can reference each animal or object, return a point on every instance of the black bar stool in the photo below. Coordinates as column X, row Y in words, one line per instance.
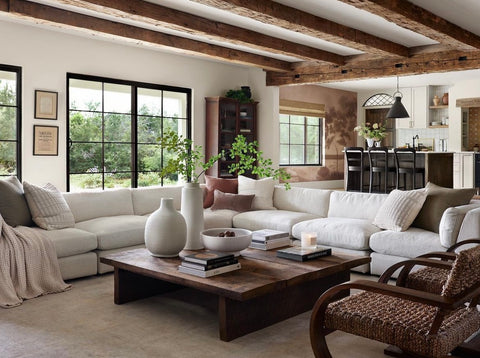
column 378, row 159
column 406, row 163
column 355, row 167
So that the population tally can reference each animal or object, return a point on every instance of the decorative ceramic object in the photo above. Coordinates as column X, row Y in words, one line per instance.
column 192, row 211
column 232, row 244
column 436, row 100
column 370, row 142
column 445, row 98
column 165, row 231
column 378, row 143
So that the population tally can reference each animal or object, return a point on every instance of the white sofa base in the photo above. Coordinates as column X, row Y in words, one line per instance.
column 381, row 262
column 78, row 265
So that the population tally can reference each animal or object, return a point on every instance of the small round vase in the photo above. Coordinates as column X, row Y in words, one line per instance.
column 436, row 100
column 370, row 142
column 445, row 98
column 165, row 231
column 378, row 143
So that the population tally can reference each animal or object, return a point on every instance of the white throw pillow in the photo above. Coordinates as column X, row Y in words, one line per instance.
column 262, row 188
column 49, row 209
column 451, row 223
column 400, row 209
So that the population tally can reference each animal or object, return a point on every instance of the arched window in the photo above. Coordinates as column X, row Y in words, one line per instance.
column 378, row 100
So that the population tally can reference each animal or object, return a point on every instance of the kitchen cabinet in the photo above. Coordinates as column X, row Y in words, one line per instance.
column 419, row 107
column 464, row 170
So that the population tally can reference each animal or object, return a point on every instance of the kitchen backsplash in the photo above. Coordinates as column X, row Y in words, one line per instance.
column 405, row 136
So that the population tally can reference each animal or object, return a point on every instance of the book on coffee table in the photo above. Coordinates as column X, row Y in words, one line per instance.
column 203, row 267
column 209, row 273
column 268, row 234
column 298, row 253
column 271, row 244
column 208, row 257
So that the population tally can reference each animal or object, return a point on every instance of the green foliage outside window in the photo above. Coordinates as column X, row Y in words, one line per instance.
column 8, row 129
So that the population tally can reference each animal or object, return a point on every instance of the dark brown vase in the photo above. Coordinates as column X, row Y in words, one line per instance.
column 445, row 98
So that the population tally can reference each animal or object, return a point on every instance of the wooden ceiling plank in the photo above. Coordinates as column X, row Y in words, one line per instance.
column 165, row 17
column 412, row 17
column 305, row 73
column 289, row 18
column 67, row 19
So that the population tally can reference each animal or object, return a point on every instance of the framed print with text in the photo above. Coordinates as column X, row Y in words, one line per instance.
column 45, row 140
column 46, row 104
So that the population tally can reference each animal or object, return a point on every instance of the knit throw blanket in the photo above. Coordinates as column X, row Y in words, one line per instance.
column 28, row 265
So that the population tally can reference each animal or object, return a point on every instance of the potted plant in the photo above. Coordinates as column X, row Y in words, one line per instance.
column 371, row 132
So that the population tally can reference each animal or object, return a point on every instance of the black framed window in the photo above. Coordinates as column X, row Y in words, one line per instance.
column 10, row 121
column 113, row 129
column 300, row 140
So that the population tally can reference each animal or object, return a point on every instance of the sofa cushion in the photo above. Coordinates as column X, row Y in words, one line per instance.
column 229, row 201
column 218, row 218
column 86, row 205
column 70, row 241
column 438, row 200
column 353, row 205
column 410, row 243
column 147, row 200
column 262, row 188
column 339, row 232
column 281, row 220
column 400, row 209
column 13, row 205
column 48, row 207
column 116, row 231
column 451, row 223
column 212, row 184
column 312, row 201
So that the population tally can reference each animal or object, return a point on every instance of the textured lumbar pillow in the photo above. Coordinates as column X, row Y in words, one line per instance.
column 399, row 209
column 262, row 188
column 13, row 206
column 49, row 209
column 229, row 201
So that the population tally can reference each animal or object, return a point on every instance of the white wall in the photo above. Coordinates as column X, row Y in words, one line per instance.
column 46, row 56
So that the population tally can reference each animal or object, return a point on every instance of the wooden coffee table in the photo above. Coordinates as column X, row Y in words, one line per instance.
column 264, row 291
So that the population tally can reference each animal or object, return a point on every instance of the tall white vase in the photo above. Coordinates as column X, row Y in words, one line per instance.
column 192, row 211
column 165, row 230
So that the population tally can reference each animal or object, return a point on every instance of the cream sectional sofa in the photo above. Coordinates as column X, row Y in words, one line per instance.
column 114, row 220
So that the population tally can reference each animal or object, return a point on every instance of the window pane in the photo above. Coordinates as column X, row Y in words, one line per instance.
column 119, row 180
column 149, row 179
column 174, row 104
column 149, row 129
column 296, row 154
column 297, row 120
column 8, row 123
column 118, row 157
column 80, row 182
column 313, row 121
column 149, row 102
column 312, row 154
column 172, row 124
column 85, row 158
column 118, row 128
column 284, row 154
column 85, row 95
column 284, row 135
column 118, row 98
column 85, row 126
column 8, row 158
column 284, row 118
column 313, row 136
column 149, row 157
column 296, row 134
column 8, row 88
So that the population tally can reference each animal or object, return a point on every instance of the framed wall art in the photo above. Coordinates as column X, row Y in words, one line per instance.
column 46, row 104
column 45, row 140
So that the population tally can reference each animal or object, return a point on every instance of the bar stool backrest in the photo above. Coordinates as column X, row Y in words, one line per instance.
column 405, row 158
column 354, row 157
column 378, row 158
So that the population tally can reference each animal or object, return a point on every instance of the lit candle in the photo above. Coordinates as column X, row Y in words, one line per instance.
column 309, row 239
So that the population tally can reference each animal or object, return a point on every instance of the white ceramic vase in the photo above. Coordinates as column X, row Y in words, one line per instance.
column 165, row 231
column 192, row 211
column 370, row 142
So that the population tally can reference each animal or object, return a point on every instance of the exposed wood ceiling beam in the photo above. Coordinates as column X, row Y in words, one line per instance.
column 164, row 17
column 454, row 60
column 412, row 17
column 289, row 18
column 67, row 19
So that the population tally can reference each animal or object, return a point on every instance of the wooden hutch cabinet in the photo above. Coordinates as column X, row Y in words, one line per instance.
column 225, row 119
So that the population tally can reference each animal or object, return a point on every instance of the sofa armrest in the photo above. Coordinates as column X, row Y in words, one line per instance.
column 470, row 228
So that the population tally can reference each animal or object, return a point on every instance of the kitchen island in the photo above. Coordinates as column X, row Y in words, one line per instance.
column 438, row 169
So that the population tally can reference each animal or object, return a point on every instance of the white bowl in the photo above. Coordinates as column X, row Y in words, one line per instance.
column 234, row 245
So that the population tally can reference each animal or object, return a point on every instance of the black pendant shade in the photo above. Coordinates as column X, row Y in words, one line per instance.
column 397, row 110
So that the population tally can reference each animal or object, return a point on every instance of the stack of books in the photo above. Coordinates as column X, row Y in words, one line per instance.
column 299, row 253
column 267, row 239
column 207, row 264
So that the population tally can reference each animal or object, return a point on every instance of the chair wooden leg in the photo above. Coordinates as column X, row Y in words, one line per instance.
column 469, row 349
column 393, row 351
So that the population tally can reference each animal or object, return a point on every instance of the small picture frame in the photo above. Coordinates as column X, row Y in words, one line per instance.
column 46, row 104
column 45, row 140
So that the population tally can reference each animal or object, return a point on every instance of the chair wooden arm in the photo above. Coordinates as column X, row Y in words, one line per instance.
column 407, row 267
column 464, row 242
column 444, row 255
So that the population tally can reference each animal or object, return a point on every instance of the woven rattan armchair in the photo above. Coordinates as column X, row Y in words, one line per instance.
column 417, row 323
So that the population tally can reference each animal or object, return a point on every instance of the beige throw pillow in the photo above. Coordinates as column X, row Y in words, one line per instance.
column 399, row 209
column 13, row 206
column 451, row 223
column 262, row 188
column 49, row 209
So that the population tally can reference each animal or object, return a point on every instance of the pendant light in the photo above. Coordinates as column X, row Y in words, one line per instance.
column 397, row 110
